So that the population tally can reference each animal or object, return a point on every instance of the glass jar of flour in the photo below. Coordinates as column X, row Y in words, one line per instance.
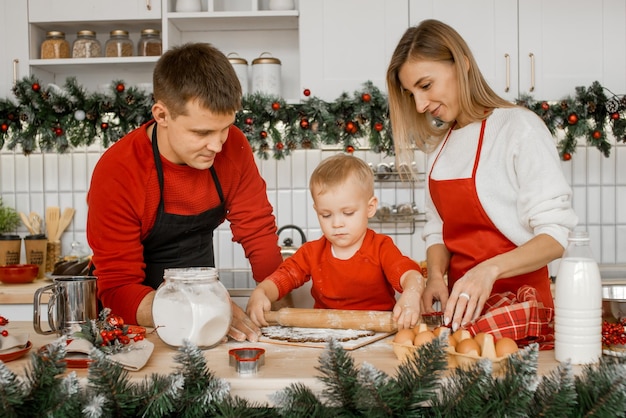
column 191, row 304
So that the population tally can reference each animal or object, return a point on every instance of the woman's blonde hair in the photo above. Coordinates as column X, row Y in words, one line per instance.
column 433, row 40
column 336, row 170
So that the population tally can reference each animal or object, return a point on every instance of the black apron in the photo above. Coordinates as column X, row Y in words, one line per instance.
column 179, row 240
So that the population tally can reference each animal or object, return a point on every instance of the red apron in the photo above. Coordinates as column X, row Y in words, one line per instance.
column 471, row 237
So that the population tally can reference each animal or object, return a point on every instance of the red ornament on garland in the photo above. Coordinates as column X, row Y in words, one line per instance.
column 275, row 105
column 280, row 146
column 104, row 126
column 36, row 87
column 572, row 119
column 306, row 92
column 120, row 87
column 351, row 127
column 263, row 134
column 567, row 156
column 58, row 131
column 615, row 116
column 378, row 126
column 366, row 97
column 249, row 121
column 349, row 149
column 545, row 105
column 5, row 333
column 596, row 134
column 11, row 116
column 304, row 123
column 4, row 127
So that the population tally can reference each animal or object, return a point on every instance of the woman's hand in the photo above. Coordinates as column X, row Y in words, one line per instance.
column 469, row 295
column 436, row 291
column 241, row 327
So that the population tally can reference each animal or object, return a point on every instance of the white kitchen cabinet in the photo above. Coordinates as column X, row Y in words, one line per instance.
column 538, row 47
column 344, row 43
column 13, row 47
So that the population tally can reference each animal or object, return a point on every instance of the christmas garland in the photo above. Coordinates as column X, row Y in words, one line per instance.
column 56, row 119
column 422, row 387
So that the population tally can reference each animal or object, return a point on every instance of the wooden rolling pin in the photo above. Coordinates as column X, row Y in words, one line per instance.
column 379, row 321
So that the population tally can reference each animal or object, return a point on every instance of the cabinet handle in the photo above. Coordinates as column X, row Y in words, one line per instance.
column 507, row 59
column 532, row 71
column 15, row 64
column 148, row 5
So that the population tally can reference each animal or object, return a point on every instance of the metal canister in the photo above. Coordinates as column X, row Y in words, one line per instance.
column 266, row 77
column 241, row 69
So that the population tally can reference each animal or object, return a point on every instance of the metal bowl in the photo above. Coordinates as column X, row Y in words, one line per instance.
column 613, row 302
column 18, row 273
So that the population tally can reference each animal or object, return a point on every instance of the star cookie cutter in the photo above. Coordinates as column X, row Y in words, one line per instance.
column 246, row 360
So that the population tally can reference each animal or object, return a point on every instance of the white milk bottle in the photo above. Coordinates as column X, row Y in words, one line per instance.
column 578, row 304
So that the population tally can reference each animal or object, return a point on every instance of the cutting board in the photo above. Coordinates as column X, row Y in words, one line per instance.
column 347, row 345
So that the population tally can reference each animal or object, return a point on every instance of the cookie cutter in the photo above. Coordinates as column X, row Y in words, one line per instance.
column 246, row 360
column 433, row 319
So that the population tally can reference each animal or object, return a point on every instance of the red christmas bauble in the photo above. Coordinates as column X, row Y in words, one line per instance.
column 10, row 116
column 366, row 97
column 115, row 320
column 120, row 87
column 378, row 126
column 249, row 121
column 275, row 105
column 572, row 119
column 36, row 87
column 104, row 126
column 350, row 149
column 351, row 128
column 545, row 106
column 596, row 134
column 280, row 146
column 304, row 123
column 615, row 116
column 58, row 131
column 5, row 333
column 306, row 92
column 3, row 321
column 4, row 127
column 567, row 156
column 263, row 134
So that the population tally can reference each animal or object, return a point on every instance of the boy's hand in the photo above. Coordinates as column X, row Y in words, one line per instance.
column 408, row 309
column 258, row 304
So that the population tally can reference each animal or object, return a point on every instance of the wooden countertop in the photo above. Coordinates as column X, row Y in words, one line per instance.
column 283, row 366
column 14, row 294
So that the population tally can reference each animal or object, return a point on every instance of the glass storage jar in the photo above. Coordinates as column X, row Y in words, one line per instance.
column 191, row 304
column 150, row 43
column 86, row 45
column 119, row 44
column 55, row 46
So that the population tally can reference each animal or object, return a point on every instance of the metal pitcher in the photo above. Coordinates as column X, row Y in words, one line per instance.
column 72, row 302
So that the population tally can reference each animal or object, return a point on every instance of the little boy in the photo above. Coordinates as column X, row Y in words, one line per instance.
column 351, row 266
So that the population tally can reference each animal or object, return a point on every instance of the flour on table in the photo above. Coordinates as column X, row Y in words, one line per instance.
column 316, row 335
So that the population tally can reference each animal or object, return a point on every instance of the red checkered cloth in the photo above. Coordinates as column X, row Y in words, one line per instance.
column 520, row 317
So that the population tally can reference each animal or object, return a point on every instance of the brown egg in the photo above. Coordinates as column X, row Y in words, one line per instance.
column 437, row 331
column 505, row 346
column 423, row 338
column 461, row 334
column 404, row 337
column 468, row 346
column 480, row 338
column 452, row 341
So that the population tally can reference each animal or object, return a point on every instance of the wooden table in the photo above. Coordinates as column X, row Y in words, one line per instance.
column 283, row 366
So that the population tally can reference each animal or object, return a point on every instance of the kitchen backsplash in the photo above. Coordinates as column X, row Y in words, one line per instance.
column 30, row 183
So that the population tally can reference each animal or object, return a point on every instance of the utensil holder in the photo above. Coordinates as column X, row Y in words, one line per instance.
column 53, row 254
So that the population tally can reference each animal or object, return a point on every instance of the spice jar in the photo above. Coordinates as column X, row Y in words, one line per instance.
column 149, row 43
column 119, row 44
column 240, row 65
column 266, row 75
column 191, row 304
column 55, row 46
column 86, row 45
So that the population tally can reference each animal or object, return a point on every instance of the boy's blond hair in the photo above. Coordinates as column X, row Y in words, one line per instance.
column 338, row 169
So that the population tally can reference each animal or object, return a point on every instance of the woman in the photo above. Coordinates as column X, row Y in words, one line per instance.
column 498, row 206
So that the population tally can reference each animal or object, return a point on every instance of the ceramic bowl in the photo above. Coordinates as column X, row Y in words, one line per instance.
column 18, row 273
column 613, row 302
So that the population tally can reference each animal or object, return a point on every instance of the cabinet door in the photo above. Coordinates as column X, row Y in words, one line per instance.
column 86, row 11
column 344, row 43
column 14, row 62
column 574, row 43
column 490, row 29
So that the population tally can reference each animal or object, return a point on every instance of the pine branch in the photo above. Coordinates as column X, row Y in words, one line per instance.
column 158, row 395
column 339, row 375
column 298, row 400
column 555, row 396
column 601, row 389
column 12, row 392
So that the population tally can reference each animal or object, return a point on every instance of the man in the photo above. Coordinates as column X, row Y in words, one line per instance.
column 158, row 194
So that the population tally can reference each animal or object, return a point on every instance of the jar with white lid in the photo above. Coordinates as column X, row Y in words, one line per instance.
column 86, row 45
column 266, row 77
column 191, row 304
column 240, row 65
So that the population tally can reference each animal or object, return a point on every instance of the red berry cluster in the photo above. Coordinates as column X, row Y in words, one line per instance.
column 3, row 322
column 614, row 333
column 113, row 329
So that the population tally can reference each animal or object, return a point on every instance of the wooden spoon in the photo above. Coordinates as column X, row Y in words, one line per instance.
column 64, row 222
column 52, row 222
column 26, row 223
